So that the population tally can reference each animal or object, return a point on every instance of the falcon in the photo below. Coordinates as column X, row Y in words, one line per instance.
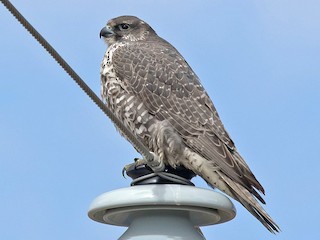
column 151, row 88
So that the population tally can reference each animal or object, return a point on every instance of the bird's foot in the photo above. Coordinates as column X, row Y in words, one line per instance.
column 137, row 162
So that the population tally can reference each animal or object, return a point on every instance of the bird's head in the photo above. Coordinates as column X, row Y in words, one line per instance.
column 126, row 28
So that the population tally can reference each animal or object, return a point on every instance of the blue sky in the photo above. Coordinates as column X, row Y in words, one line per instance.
column 258, row 60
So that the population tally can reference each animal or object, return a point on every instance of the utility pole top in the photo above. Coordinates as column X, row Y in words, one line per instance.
column 162, row 211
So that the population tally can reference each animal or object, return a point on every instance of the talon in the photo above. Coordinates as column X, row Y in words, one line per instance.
column 137, row 162
column 124, row 169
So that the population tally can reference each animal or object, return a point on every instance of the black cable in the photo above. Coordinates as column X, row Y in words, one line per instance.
column 134, row 141
column 170, row 177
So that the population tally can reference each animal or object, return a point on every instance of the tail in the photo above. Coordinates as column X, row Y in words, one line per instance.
column 242, row 195
column 216, row 178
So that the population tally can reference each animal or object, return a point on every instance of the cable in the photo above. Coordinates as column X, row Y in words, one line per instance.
column 152, row 160
column 174, row 178
column 170, row 177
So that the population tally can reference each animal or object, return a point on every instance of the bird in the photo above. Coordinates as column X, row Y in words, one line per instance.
column 154, row 92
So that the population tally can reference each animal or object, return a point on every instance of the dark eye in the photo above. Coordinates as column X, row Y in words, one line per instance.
column 123, row 26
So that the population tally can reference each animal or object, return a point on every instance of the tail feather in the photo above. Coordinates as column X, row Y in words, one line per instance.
column 216, row 178
column 251, row 204
column 257, row 195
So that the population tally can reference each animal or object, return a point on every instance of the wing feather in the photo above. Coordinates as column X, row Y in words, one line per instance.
column 170, row 90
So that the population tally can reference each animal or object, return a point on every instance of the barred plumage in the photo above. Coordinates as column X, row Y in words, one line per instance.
column 153, row 90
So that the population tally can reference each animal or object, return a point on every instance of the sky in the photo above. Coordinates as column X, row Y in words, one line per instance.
column 258, row 60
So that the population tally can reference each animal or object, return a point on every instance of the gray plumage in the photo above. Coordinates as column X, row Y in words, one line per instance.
column 151, row 88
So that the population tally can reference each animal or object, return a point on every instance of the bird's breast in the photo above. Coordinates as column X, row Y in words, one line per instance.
column 125, row 105
column 110, row 83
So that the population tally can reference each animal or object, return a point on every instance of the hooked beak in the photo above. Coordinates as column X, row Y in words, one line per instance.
column 106, row 32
